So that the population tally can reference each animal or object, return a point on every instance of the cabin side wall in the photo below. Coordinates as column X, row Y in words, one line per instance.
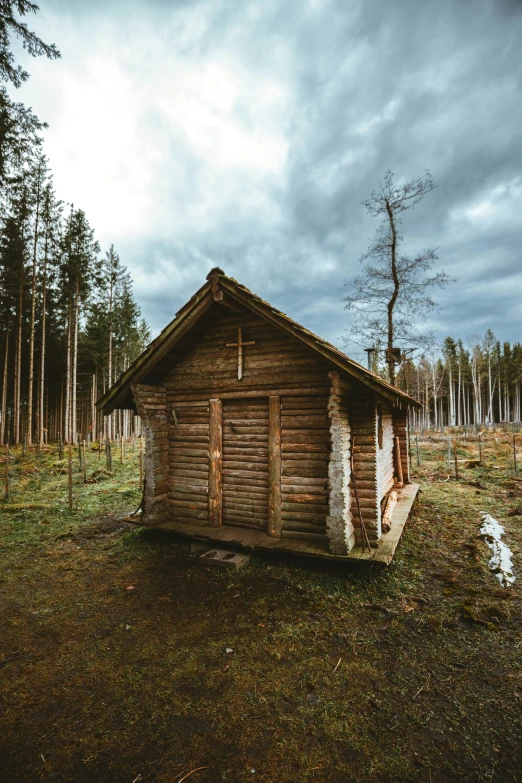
column 385, row 452
column 363, row 422
column 400, row 430
column 340, row 529
column 151, row 406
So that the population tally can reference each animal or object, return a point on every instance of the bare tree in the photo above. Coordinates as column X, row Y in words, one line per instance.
column 390, row 297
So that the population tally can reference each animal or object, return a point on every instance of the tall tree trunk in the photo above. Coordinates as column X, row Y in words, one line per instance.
column 67, row 417
column 110, row 418
column 3, row 428
column 435, row 412
column 18, row 360
column 459, row 402
column 490, row 389
column 391, row 303
column 75, row 364
column 451, row 421
column 32, row 325
column 41, row 384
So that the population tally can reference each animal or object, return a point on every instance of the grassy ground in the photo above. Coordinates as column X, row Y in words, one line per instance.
column 412, row 673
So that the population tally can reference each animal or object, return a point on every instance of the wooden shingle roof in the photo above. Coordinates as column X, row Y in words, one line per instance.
column 220, row 288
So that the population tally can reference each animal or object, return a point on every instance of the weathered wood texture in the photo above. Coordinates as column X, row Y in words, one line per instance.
column 276, row 361
column 385, row 455
column 151, row 406
column 215, row 461
column 305, row 452
column 275, row 364
column 189, row 462
column 400, row 430
column 363, row 423
column 274, row 466
column 340, row 529
column 245, row 463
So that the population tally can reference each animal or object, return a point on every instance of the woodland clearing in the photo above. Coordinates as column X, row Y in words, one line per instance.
column 405, row 673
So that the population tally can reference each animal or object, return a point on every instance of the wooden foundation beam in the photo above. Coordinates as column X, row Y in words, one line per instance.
column 274, row 466
column 215, row 477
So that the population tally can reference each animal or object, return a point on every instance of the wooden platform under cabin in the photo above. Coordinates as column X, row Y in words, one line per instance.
column 250, row 539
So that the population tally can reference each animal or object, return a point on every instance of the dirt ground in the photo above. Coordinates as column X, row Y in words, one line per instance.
column 113, row 643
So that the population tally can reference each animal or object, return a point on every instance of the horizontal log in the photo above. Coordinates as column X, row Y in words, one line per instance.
column 197, row 405
column 304, row 517
column 365, row 493
column 303, row 527
column 249, row 440
column 193, row 381
column 190, row 485
column 243, row 474
column 178, row 450
column 257, row 467
column 228, row 394
column 304, row 471
column 200, row 497
column 305, row 448
column 183, row 428
column 295, row 482
column 247, row 493
column 239, row 419
column 189, row 504
column 256, row 451
column 231, row 500
column 230, row 514
column 364, row 459
column 292, row 508
column 305, row 497
column 190, row 513
column 237, row 430
column 184, row 459
column 179, row 469
column 313, row 460
column 252, row 487
column 306, row 435
column 250, row 512
column 313, row 417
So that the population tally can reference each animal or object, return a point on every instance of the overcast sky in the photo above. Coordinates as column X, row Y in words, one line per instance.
column 246, row 134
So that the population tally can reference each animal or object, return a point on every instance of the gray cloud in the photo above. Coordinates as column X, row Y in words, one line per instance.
column 251, row 133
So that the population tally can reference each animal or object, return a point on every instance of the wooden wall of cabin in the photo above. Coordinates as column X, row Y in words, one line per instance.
column 340, row 528
column 385, row 450
column 151, row 404
column 363, row 424
column 400, row 430
column 276, row 365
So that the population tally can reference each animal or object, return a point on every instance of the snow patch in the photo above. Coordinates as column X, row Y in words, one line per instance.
column 500, row 563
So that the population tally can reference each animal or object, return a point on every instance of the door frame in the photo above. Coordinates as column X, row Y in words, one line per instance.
column 215, row 456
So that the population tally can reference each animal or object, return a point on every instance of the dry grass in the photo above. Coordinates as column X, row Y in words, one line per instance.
column 101, row 683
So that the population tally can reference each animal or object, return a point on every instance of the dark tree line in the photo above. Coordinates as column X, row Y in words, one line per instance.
column 69, row 324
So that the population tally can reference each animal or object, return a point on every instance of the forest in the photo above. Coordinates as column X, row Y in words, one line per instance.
column 463, row 384
column 70, row 324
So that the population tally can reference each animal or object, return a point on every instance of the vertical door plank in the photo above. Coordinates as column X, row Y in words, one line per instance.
column 215, row 479
column 274, row 466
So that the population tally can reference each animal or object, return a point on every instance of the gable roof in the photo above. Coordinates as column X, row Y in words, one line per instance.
column 220, row 288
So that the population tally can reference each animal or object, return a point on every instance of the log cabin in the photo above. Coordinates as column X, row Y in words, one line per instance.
column 259, row 433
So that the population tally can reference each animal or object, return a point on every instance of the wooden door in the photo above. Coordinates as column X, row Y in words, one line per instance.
column 245, row 462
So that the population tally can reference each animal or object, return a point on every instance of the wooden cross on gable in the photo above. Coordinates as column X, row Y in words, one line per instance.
column 239, row 346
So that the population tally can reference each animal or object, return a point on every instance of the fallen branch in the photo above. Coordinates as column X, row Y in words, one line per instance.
column 190, row 773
